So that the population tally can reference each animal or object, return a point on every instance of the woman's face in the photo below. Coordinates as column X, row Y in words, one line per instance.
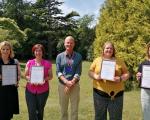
column 108, row 51
column 38, row 53
column 5, row 51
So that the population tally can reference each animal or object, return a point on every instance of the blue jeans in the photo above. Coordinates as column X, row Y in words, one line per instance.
column 104, row 104
column 145, row 101
column 36, row 104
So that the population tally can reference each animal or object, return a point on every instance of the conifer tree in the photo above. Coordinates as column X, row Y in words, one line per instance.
column 127, row 24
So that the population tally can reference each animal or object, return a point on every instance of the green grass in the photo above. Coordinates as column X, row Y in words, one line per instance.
column 131, row 111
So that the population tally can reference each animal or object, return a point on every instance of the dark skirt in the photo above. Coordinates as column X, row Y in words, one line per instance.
column 9, row 102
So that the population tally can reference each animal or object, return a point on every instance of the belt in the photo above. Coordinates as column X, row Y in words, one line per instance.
column 112, row 93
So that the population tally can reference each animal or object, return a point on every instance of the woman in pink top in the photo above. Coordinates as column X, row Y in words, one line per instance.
column 37, row 88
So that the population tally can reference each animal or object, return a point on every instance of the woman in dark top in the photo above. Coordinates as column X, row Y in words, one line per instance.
column 145, row 92
column 9, row 103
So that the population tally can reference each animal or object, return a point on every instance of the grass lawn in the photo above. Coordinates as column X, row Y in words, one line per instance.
column 131, row 111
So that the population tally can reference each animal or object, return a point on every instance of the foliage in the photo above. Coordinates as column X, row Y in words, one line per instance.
column 126, row 23
column 85, row 36
column 44, row 22
column 14, row 9
column 10, row 31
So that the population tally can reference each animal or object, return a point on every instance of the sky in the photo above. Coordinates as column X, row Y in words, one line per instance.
column 83, row 7
column 90, row 7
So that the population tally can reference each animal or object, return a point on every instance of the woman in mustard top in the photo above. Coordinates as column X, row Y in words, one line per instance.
column 108, row 95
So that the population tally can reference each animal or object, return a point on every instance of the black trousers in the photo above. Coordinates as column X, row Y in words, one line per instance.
column 36, row 104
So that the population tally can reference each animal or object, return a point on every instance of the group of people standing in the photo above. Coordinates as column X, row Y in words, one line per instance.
column 107, row 95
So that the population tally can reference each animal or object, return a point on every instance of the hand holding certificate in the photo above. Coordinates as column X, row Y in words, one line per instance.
column 37, row 75
column 145, row 83
column 108, row 70
column 9, row 75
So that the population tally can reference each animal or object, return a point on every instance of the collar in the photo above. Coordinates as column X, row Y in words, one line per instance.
column 69, row 55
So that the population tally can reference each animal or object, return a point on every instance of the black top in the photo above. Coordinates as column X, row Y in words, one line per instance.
column 146, row 62
column 9, row 103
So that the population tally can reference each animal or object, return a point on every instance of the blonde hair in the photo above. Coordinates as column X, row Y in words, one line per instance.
column 70, row 38
column 106, row 43
column 6, row 43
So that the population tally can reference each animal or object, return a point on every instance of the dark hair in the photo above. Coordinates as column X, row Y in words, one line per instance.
column 148, row 47
column 36, row 46
column 106, row 43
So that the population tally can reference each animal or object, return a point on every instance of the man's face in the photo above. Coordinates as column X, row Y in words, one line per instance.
column 69, row 44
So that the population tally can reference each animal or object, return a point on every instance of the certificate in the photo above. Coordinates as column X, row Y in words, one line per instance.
column 37, row 74
column 145, row 81
column 108, row 70
column 9, row 75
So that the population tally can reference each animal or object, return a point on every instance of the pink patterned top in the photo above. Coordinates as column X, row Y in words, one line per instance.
column 37, row 89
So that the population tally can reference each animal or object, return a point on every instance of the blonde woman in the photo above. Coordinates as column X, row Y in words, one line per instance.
column 9, row 103
column 108, row 95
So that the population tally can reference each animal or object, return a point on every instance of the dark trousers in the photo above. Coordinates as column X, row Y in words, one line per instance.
column 103, row 104
column 36, row 104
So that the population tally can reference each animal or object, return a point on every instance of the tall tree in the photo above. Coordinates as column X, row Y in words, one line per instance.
column 127, row 24
column 85, row 36
column 13, row 9
column 48, row 23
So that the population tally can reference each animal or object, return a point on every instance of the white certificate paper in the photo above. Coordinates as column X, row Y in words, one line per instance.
column 9, row 75
column 145, row 82
column 108, row 70
column 37, row 74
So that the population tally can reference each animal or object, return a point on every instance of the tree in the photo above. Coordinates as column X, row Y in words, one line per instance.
column 85, row 36
column 13, row 9
column 10, row 31
column 47, row 25
column 126, row 23
column 83, row 33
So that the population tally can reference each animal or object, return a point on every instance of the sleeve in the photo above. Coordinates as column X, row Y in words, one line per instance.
column 58, row 66
column 124, row 67
column 18, row 67
column 79, row 69
column 140, row 68
column 48, row 64
column 28, row 66
column 93, row 65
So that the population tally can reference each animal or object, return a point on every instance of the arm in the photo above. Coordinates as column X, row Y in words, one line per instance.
column 78, row 71
column 26, row 73
column 94, row 75
column 19, row 71
column 50, row 75
column 60, row 73
column 124, row 73
column 124, row 76
column 139, row 73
